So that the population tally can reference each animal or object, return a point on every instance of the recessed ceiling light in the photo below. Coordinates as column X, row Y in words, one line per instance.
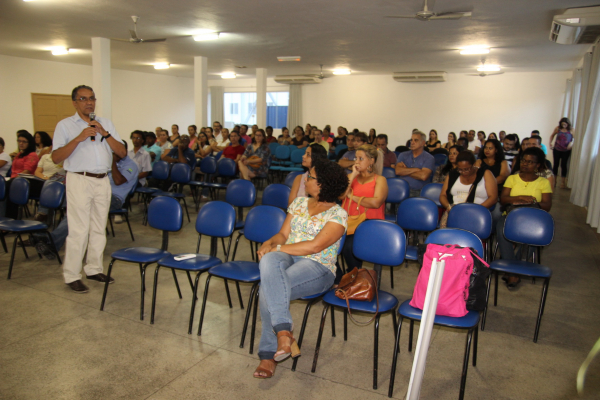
column 206, row 36
column 59, row 51
column 489, row 68
column 341, row 71
column 289, row 58
column 162, row 65
column 228, row 75
column 28, row 0
column 475, row 50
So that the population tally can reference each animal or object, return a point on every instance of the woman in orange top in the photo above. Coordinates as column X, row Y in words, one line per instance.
column 366, row 182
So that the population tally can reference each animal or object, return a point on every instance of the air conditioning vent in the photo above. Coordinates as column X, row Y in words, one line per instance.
column 426, row 76
column 287, row 79
column 576, row 26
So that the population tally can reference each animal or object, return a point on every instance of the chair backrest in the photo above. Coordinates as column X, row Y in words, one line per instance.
column 263, row 222
column 417, row 214
column 296, row 156
column 165, row 213
column 2, row 188
column 216, row 218
column 19, row 191
column 440, row 159
column 471, row 217
column 160, row 170
column 276, row 194
column 283, row 152
column 219, row 154
column 340, row 148
column 52, row 195
column 208, row 165
column 432, row 192
column 240, row 193
column 388, row 172
column 532, row 226
column 273, row 147
column 439, row 150
column 292, row 148
column 181, row 173
column 456, row 236
column 226, row 167
column 289, row 179
column 398, row 190
column 380, row 242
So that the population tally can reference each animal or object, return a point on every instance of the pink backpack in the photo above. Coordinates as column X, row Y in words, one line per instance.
column 455, row 284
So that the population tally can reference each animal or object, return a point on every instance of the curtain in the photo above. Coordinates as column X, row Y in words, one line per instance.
column 216, row 104
column 568, row 95
column 295, row 107
column 575, row 93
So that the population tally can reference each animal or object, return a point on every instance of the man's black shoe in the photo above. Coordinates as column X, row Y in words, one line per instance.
column 100, row 278
column 78, row 287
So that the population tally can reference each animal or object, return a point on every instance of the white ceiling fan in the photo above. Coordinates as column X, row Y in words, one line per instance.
column 426, row 14
column 134, row 37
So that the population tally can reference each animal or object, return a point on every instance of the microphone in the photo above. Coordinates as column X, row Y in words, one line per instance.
column 92, row 118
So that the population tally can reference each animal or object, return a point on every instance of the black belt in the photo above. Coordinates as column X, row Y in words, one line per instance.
column 99, row 176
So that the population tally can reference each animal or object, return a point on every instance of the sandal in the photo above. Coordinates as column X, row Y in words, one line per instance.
column 266, row 369
column 286, row 346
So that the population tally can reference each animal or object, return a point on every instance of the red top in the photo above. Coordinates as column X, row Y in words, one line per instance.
column 366, row 190
column 232, row 152
column 29, row 163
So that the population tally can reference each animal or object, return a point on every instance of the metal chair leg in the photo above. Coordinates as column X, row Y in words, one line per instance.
column 376, row 352
column 195, row 292
column 203, row 305
column 395, row 356
column 154, row 294
column 176, row 283
column 541, row 310
column 463, row 379
column 227, row 291
column 129, row 226
column 345, row 325
column 254, row 287
column 237, row 285
column 12, row 257
column 302, row 328
column 106, row 283
column 316, row 356
column 254, row 312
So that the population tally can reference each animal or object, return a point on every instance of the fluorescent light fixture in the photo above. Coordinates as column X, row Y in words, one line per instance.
column 162, row 65
column 28, row 0
column 228, row 75
column 489, row 68
column 59, row 51
column 289, row 58
column 475, row 50
column 341, row 71
column 206, row 36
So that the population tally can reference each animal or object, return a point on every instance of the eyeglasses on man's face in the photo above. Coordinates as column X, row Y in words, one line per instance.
column 86, row 99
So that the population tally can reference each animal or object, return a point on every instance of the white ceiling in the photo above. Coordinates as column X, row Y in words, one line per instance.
column 337, row 33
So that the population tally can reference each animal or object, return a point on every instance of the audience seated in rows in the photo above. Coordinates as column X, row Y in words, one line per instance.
column 389, row 157
column 353, row 140
column 140, row 156
column 24, row 162
column 255, row 161
column 299, row 140
column 443, row 170
column 43, row 143
column 151, row 147
column 313, row 153
column 416, row 166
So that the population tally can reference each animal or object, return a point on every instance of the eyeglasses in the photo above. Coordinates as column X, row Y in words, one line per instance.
column 309, row 176
column 464, row 170
column 86, row 99
column 527, row 162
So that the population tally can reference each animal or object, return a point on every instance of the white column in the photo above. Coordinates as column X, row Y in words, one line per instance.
column 101, row 76
column 261, row 97
column 201, row 90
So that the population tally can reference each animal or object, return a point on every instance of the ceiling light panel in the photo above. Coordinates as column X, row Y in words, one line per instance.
column 206, row 36
column 162, row 66
column 475, row 50
column 228, row 75
column 489, row 68
column 289, row 58
column 341, row 71
column 59, row 51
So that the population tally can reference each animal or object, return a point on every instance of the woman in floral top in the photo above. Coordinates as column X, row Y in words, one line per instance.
column 255, row 161
column 300, row 260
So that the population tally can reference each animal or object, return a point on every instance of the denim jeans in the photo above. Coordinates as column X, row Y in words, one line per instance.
column 284, row 278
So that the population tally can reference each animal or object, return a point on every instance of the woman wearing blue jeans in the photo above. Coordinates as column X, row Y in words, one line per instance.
column 299, row 261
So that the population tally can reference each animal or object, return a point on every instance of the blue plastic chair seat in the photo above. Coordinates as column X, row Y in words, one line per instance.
column 22, row 226
column 242, row 271
column 196, row 183
column 314, row 296
column 468, row 321
column 387, row 301
column 199, row 263
column 175, row 195
column 5, row 219
column 119, row 211
column 521, row 268
column 239, row 225
column 146, row 190
column 411, row 253
column 140, row 254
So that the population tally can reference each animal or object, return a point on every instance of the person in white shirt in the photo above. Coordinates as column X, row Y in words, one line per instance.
column 163, row 141
column 473, row 144
column 5, row 160
column 217, row 128
column 140, row 156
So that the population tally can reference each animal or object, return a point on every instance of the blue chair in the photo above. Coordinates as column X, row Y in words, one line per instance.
column 262, row 223
column 388, row 172
column 530, row 227
column 273, row 147
column 282, row 156
column 216, row 219
column 160, row 171
column 276, row 194
column 440, row 159
column 2, row 197
column 52, row 195
column 432, row 192
column 164, row 213
column 296, row 162
column 340, row 148
column 470, row 322
column 240, row 193
column 289, row 179
column 370, row 237
column 398, row 191
column 227, row 170
column 124, row 212
column 180, row 174
column 417, row 214
column 473, row 218
column 208, row 167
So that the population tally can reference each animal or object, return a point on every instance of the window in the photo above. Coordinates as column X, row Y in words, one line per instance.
column 240, row 108
column 277, row 109
column 233, row 109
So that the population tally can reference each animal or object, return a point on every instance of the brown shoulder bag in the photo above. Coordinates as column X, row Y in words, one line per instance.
column 361, row 285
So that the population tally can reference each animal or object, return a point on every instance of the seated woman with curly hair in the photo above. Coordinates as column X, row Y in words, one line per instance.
column 299, row 260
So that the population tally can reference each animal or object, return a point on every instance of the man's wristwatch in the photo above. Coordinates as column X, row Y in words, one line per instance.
column 106, row 137
column 278, row 247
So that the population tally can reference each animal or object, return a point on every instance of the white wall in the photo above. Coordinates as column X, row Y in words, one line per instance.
column 513, row 102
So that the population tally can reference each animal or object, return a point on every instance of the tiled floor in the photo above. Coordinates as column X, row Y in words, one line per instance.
column 55, row 344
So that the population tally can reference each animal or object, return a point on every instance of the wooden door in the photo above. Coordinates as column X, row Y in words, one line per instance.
column 48, row 109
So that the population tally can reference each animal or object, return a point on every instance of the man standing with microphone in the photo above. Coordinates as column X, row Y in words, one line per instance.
column 84, row 145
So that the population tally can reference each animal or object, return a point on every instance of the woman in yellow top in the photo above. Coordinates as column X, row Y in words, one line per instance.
column 525, row 187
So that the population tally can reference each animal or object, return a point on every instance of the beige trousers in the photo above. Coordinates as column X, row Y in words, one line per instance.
column 88, row 201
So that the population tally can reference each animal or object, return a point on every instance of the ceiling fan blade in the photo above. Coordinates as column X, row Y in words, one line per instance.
column 133, row 34
column 452, row 15
column 401, row 16
column 121, row 40
column 153, row 40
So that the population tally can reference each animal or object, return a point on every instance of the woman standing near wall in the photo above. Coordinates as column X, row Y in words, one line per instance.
column 561, row 150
